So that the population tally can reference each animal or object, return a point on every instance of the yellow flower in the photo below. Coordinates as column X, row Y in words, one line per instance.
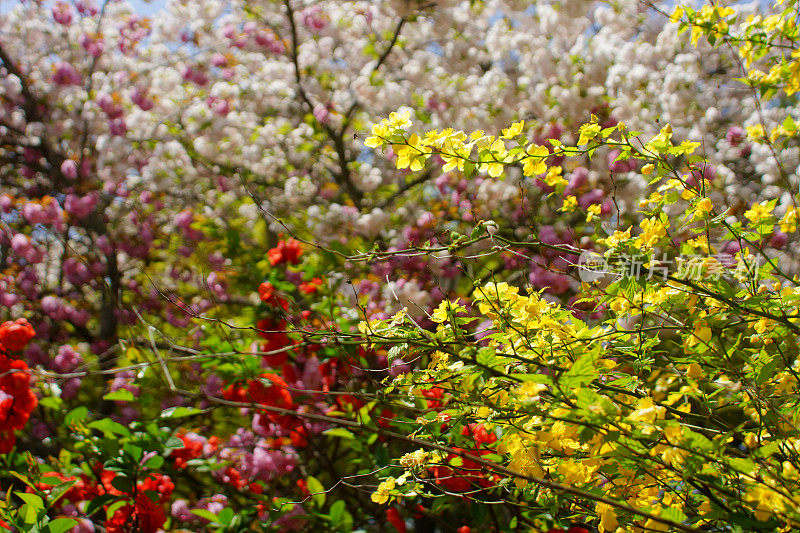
column 574, row 472
column 652, row 525
column 619, row 305
column 495, row 166
column 439, row 315
column 593, row 211
column 400, row 119
column 608, row 518
column 653, row 230
column 673, row 456
column 647, row 411
column 570, row 204
column 702, row 208
column 758, row 213
column 379, row 133
column 554, row 178
column 381, row 494
column 694, row 371
column 648, row 169
column 767, row 501
column 763, row 325
column 588, row 132
column 412, row 156
column 535, row 162
column 613, row 240
column 756, row 132
column 414, row 459
column 788, row 222
column 677, row 15
column 661, row 142
column 529, row 391
column 514, row 130
column 701, row 333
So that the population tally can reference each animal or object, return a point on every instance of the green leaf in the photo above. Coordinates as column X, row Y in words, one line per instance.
column 58, row 491
column 154, row 463
column 208, row 515
column 99, row 502
column 581, row 373
column 33, row 505
column 696, row 440
column 120, row 395
column 114, row 506
column 122, row 484
column 671, row 513
column 23, row 479
column 60, row 525
column 134, row 451
column 33, row 500
column 337, row 511
column 339, row 432
column 316, row 490
column 226, row 516
column 51, row 402
column 767, row 371
column 180, row 412
column 110, row 428
column 78, row 414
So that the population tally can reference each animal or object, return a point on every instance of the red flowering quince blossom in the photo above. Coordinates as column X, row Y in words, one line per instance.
column 287, row 251
column 14, row 336
column 192, row 449
column 16, row 397
column 311, row 287
column 268, row 295
column 274, row 334
column 275, row 395
column 146, row 514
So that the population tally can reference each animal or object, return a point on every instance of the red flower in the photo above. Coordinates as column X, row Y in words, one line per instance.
column 275, row 395
column 266, row 291
column 311, row 287
column 394, row 518
column 385, row 419
column 234, row 477
column 16, row 400
column 84, row 489
column 464, row 529
column 480, row 434
column 160, row 484
column 275, row 335
column 299, row 436
column 462, row 478
column 145, row 516
column 235, row 393
column 16, row 335
column 286, row 252
column 192, row 449
column 106, row 477
column 345, row 400
column 434, row 396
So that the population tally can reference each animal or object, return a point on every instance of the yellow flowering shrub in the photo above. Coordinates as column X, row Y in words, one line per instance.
column 674, row 407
